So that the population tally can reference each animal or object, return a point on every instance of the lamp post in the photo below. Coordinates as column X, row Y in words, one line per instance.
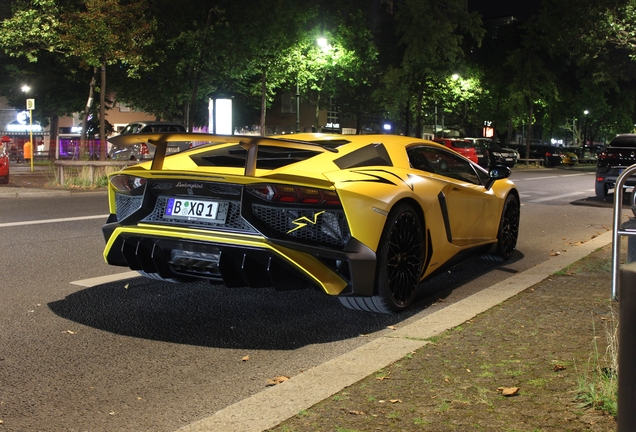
column 586, row 112
column 297, row 105
column 30, row 106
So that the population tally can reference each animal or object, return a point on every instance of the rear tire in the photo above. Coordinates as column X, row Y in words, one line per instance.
column 400, row 257
column 601, row 189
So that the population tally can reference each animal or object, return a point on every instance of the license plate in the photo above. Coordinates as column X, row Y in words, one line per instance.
column 172, row 150
column 189, row 209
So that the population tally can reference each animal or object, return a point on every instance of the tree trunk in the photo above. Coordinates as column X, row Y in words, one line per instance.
column 263, row 101
column 418, row 115
column 197, row 76
column 102, row 115
column 89, row 104
column 529, row 132
column 55, row 122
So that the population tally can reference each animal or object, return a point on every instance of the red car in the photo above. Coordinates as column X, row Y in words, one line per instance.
column 4, row 166
column 463, row 147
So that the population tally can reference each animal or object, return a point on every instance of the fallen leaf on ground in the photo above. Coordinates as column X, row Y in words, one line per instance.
column 246, row 358
column 558, row 367
column 392, row 327
column 70, row 332
column 555, row 254
column 508, row 391
column 395, row 400
column 356, row 412
column 126, row 286
column 277, row 380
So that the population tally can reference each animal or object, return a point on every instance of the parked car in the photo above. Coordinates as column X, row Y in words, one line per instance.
column 4, row 166
column 461, row 146
column 619, row 154
column 142, row 151
column 366, row 218
column 569, row 157
column 550, row 155
column 489, row 153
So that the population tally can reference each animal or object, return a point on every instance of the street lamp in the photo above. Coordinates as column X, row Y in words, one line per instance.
column 586, row 112
column 30, row 106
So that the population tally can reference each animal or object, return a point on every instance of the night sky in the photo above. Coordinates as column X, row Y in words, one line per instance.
column 498, row 8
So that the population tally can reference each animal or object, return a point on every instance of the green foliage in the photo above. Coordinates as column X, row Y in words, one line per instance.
column 598, row 389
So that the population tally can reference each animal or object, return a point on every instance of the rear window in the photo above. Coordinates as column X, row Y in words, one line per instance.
column 623, row 142
column 461, row 144
column 269, row 157
column 163, row 128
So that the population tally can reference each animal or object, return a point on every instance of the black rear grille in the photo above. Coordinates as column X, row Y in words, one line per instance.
column 127, row 205
column 231, row 209
column 322, row 227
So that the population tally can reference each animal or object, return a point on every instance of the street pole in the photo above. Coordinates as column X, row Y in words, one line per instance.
column 297, row 107
column 30, row 105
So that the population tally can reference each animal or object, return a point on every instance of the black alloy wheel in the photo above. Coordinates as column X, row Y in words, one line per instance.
column 508, row 228
column 400, row 257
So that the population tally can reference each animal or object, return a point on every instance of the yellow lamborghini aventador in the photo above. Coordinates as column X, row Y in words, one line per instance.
column 366, row 218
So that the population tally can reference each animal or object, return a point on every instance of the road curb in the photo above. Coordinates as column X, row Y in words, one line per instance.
column 270, row 407
column 31, row 193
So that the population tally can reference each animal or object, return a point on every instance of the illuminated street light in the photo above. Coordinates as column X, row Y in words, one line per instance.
column 30, row 106
column 586, row 112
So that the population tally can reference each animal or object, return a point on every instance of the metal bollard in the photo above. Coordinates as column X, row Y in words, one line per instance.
column 627, row 349
column 630, row 226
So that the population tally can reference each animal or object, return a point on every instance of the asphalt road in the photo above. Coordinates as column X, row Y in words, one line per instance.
column 135, row 354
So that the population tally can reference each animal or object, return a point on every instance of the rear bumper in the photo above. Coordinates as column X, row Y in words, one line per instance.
column 609, row 177
column 238, row 260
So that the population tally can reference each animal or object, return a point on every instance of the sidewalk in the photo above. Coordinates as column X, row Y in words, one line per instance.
column 532, row 336
column 24, row 183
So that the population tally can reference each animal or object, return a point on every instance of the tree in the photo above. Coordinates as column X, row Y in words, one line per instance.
column 432, row 54
column 95, row 33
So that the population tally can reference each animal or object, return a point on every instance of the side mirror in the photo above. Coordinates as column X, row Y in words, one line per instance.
column 497, row 172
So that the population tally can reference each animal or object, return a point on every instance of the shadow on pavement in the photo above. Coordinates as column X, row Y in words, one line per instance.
column 208, row 315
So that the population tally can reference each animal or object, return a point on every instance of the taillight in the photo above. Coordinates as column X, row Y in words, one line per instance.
column 605, row 155
column 295, row 194
column 143, row 149
column 126, row 183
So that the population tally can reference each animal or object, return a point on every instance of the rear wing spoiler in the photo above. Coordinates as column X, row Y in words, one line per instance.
column 249, row 143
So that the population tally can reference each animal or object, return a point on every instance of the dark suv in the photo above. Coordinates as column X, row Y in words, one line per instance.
column 143, row 151
column 618, row 155
column 551, row 156
column 490, row 153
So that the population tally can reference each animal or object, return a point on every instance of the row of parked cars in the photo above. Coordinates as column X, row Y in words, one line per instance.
column 486, row 152
column 482, row 151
